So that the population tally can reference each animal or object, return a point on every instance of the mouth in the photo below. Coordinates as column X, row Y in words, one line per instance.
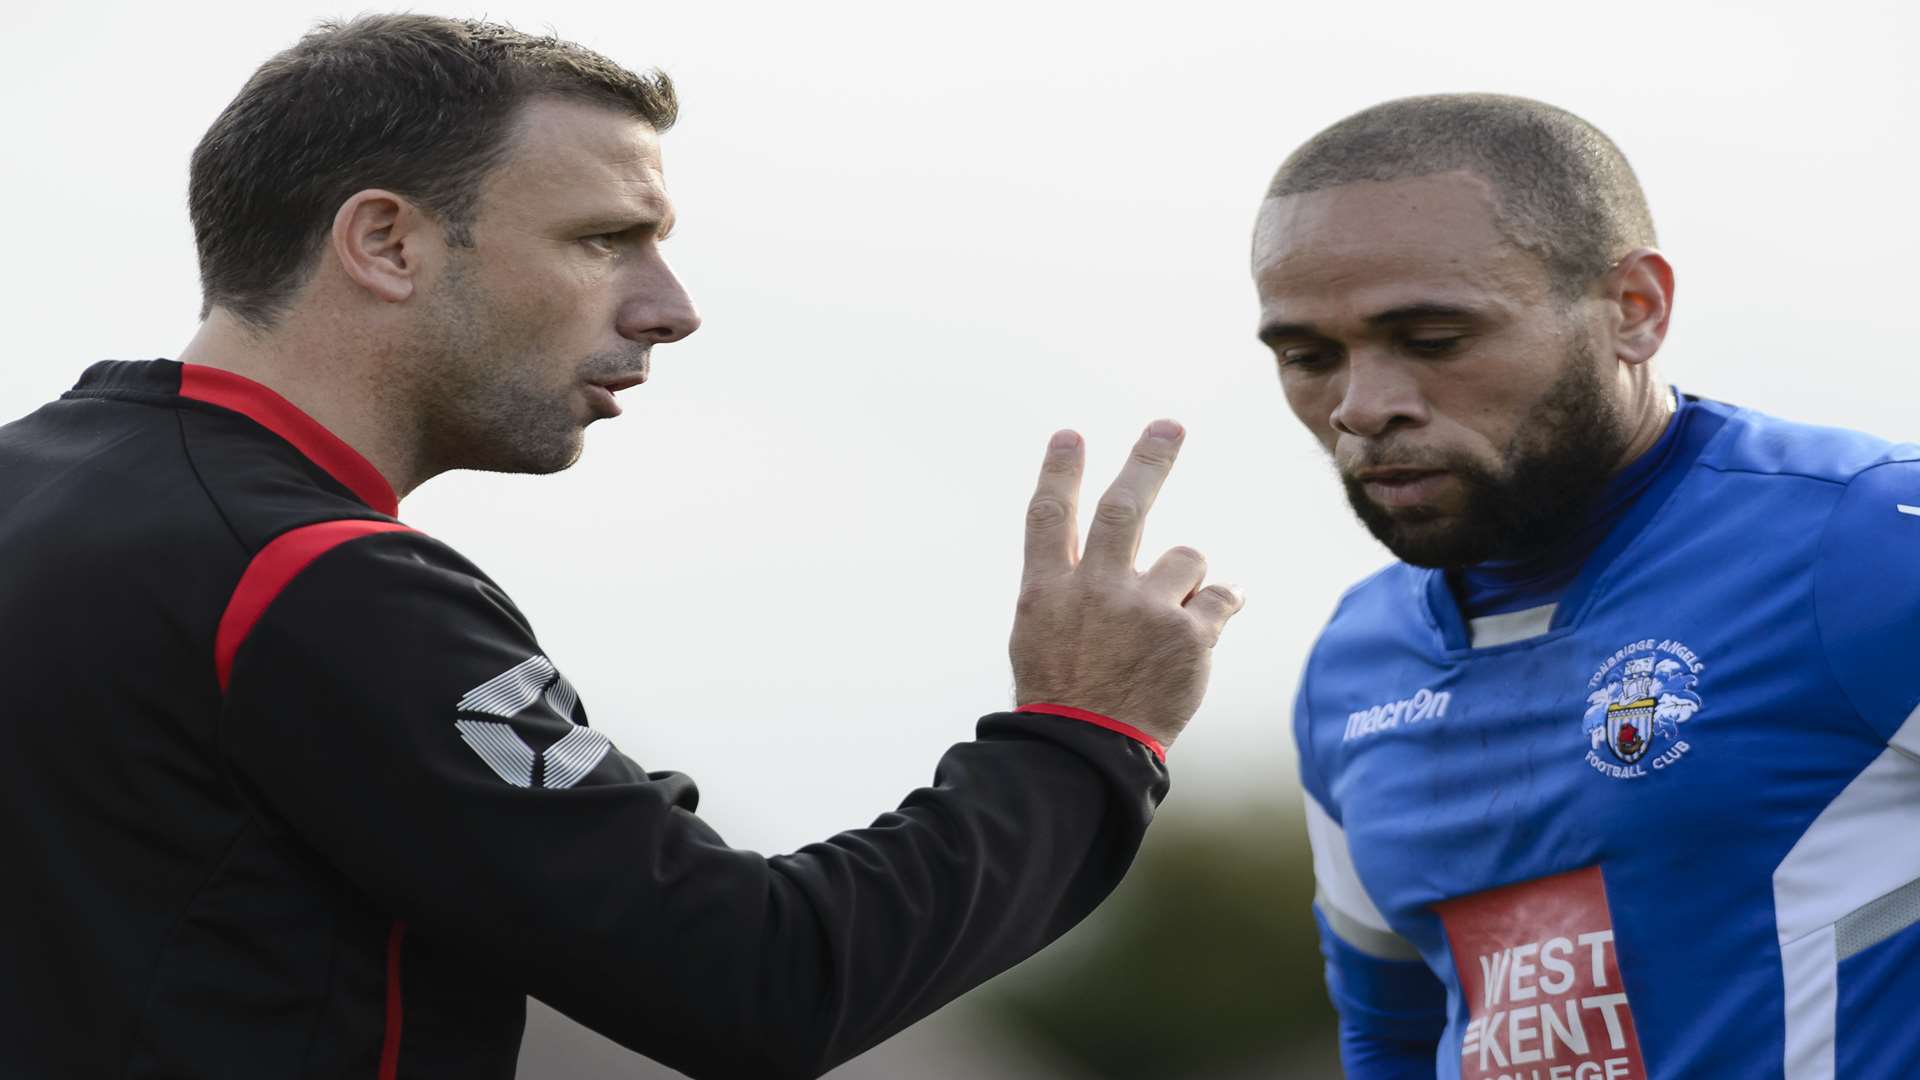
column 600, row 391
column 624, row 382
column 1395, row 487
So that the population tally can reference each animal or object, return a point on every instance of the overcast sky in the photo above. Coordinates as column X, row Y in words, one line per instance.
column 923, row 238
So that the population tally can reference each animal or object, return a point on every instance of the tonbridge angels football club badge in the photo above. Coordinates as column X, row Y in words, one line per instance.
column 1638, row 700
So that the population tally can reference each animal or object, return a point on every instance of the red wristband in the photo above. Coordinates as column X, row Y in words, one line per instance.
column 1097, row 720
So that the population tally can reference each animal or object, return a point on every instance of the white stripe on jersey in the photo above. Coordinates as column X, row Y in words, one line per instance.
column 1489, row 630
column 1832, row 879
column 1343, row 900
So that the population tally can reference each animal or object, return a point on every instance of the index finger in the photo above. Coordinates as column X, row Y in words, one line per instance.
column 1053, row 535
column 1114, row 537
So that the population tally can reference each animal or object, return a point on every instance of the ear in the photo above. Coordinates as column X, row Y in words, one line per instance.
column 383, row 241
column 1640, row 288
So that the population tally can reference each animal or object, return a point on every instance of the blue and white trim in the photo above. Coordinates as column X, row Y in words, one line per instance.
column 1851, row 881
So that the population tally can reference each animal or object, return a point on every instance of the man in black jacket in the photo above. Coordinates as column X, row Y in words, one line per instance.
column 296, row 792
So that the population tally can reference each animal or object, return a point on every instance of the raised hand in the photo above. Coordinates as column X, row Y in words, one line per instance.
column 1093, row 633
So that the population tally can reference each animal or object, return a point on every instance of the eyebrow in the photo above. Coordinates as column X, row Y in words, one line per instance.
column 661, row 226
column 1395, row 316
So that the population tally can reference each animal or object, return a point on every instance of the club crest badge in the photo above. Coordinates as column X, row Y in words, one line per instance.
column 1637, row 701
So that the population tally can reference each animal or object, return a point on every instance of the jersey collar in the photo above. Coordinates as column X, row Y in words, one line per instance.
column 282, row 417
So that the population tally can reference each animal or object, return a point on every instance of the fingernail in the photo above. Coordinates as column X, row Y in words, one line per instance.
column 1165, row 429
column 1065, row 440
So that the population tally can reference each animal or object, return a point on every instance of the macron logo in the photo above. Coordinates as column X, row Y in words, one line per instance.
column 1425, row 704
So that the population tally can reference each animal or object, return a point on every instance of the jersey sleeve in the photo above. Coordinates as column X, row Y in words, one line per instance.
column 392, row 710
column 1867, row 598
column 1392, row 1009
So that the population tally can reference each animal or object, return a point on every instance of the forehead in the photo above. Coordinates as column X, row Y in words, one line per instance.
column 1377, row 245
column 569, row 158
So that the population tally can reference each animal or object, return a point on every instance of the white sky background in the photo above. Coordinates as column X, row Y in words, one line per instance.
column 923, row 238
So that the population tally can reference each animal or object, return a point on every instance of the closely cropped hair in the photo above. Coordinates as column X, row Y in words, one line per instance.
column 418, row 105
column 1565, row 191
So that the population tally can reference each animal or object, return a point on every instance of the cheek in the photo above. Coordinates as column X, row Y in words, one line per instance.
column 1312, row 401
column 541, row 316
column 545, row 288
column 1477, row 429
column 1482, row 400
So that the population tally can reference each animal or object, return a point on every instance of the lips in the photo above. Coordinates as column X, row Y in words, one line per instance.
column 624, row 382
column 1400, row 487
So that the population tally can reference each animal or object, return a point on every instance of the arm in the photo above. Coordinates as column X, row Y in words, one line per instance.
column 1392, row 1009
column 606, row 897
column 394, row 710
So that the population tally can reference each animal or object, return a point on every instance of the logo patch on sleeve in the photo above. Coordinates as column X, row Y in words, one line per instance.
column 534, row 696
column 1542, row 982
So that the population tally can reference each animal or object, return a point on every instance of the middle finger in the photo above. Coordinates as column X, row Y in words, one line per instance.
column 1113, row 540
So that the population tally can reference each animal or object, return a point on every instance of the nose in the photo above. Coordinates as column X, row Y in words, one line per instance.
column 657, row 309
column 1379, row 395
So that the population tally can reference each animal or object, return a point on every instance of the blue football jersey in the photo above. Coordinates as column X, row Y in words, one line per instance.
column 1668, row 827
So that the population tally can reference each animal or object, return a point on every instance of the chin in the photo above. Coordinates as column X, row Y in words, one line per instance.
column 1425, row 537
column 558, row 459
column 530, row 455
column 1441, row 555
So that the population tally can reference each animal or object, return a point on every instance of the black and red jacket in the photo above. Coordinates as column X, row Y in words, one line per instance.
column 288, row 789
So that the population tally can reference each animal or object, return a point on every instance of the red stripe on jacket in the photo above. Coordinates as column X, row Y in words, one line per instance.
column 1098, row 720
column 271, row 569
column 390, row 1046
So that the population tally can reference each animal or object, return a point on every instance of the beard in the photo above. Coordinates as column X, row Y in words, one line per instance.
column 1567, row 446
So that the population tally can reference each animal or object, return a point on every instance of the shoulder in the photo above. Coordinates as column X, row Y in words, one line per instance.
column 1852, row 502
column 1871, row 536
column 1867, row 589
column 1384, row 600
column 350, row 562
column 1382, row 614
column 1383, row 618
column 361, row 579
column 1361, row 607
column 1756, row 443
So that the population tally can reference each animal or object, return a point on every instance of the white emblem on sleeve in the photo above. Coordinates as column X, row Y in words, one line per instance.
column 510, row 694
column 512, row 690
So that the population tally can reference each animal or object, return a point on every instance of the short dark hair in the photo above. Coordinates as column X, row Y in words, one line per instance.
column 418, row 105
column 1565, row 191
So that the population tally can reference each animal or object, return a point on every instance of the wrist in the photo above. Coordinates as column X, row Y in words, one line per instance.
column 1048, row 708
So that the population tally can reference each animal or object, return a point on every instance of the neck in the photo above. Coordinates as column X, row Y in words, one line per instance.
column 1650, row 407
column 328, row 376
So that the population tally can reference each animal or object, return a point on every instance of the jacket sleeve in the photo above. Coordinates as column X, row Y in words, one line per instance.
column 1393, row 1010
column 394, row 710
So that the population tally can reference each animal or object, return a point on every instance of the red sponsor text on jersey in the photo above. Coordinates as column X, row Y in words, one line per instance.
column 1542, row 982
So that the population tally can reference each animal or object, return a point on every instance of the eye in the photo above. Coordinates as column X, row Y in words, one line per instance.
column 1434, row 346
column 1306, row 359
column 604, row 243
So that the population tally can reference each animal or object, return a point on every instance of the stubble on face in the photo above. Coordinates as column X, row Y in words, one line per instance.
column 1566, row 447
column 488, row 397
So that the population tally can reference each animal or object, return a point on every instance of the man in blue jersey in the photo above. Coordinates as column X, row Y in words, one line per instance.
column 1616, row 772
